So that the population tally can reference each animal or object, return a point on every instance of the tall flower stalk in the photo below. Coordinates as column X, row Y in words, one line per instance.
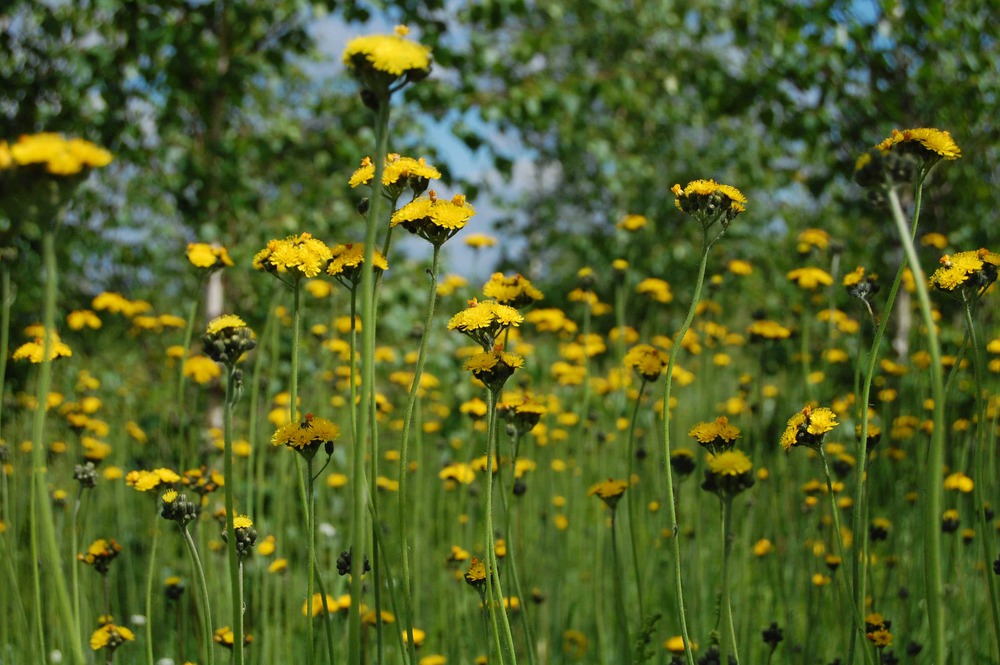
column 226, row 340
column 383, row 65
column 908, row 156
column 712, row 205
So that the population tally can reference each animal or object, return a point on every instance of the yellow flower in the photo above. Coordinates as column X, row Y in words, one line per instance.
column 83, row 318
column 458, row 472
column 302, row 255
column 60, row 156
column 632, row 222
column 433, row 219
column 345, row 263
column 810, row 238
column 959, row 482
column 515, row 291
column 740, row 267
column 224, row 322
column 717, row 435
column 977, row 269
column 398, row 173
column 201, row 369
column 110, row 636
column 762, row 547
column 925, row 140
column 810, row 278
column 647, row 360
column 35, row 351
column 610, row 491
column 656, row 289
column 709, row 199
column 484, row 321
column 771, row 330
column 480, row 240
column 391, row 56
column 203, row 255
column 306, row 436
column 807, row 427
column 729, row 463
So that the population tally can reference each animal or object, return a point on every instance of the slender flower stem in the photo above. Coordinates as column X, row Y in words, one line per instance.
column 859, row 624
column 859, row 525
column 979, row 464
column 373, row 219
column 494, row 593
column 41, row 510
column 75, row 564
column 234, row 562
column 512, row 550
column 706, row 245
column 633, row 503
column 150, row 576
column 5, row 303
column 935, row 459
column 293, row 386
column 310, row 509
column 616, row 567
column 728, row 629
column 411, row 402
column 206, row 603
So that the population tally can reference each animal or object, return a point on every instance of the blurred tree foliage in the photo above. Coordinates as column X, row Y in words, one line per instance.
column 226, row 129
column 613, row 102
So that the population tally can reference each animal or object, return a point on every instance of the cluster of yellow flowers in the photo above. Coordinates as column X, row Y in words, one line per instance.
column 54, row 153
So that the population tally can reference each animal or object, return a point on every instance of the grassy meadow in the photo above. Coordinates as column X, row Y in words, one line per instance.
column 384, row 460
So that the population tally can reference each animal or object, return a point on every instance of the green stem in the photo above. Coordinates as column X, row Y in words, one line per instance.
column 858, row 621
column 5, row 303
column 150, row 577
column 494, row 592
column 234, row 562
column 41, row 512
column 935, row 459
column 206, row 603
column 859, row 524
column 404, row 458
column 633, row 503
column 619, row 592
column 372, row 222
column 74, row 563
column 675, row 545
column 979, row 465
column 310, row 509
column 512, row 549
column 729, row 631
column 293, row 387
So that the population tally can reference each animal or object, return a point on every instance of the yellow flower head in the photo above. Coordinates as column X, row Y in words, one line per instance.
column 610, row 491
column 433, row 219
column 925, row 141
column 717, row 435
column 35, row 351
column 398, row 173
column 632, row 222
column 307, row 436
column 209, row 257
column 710, row 201
column 808, row 427
column 810, row 278
column 656, row 289
column 494, row 367
column 58, row 155
column 728, row 473
column 768, row 330
column 484, row 321
column 109, row 636
column 647, row 360
column 301, row 255
column 346, row 260
column 381, row 60
column 514, row 291
column 975, row 270
column 223, row 323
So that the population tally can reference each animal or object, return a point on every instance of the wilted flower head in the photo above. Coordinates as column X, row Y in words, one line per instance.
column 433, row 219
column 808, row 427
column 710, row 201
column 973, row 270
column 385, row 63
